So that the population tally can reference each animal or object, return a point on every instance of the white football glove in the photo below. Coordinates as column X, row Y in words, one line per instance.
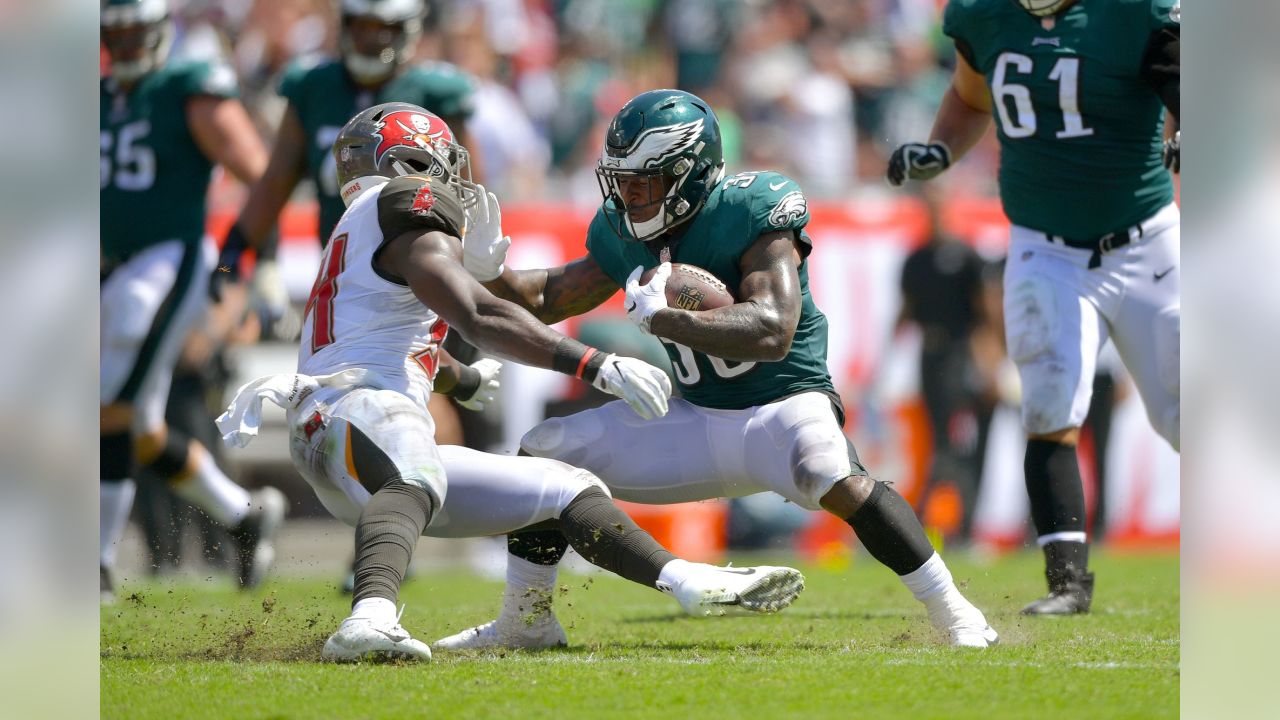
column 268, row 289
column 489, row 370
column 484, row 247
column 645, row 300
column 644, row 387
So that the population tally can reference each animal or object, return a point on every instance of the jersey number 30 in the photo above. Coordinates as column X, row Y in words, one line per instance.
column 1021, row 123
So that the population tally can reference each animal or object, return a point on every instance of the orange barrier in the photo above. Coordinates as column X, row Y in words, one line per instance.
column 695, row 531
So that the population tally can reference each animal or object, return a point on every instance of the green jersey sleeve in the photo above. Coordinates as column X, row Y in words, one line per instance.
column 778, row 203
column 204, row 78
column 293, row 84
column 445, row 90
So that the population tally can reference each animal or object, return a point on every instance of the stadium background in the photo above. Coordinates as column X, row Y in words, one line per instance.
column 820, row 90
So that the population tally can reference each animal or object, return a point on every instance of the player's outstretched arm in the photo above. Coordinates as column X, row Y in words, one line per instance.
column 761, row 325
column 551, row 294
column 961, row 121
column 268, row 196
column 431, row 265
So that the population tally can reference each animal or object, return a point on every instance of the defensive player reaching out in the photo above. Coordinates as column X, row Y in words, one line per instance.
column 163, row 127
column 1079, row 91
column 759, row 412
column 391, row 284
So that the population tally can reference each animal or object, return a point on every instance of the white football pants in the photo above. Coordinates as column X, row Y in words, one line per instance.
column 476, row 494
column 148, row 305
column 793, row 447
column 1058, row 314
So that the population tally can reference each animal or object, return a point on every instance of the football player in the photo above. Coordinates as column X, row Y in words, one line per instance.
column 1078, row 92
column 163, row 128
column 390, row 286
column 758, row 411
column 377, row 42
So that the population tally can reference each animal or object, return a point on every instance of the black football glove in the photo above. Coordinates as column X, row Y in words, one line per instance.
column 1173, row 152
column 917, row 161
column 228, row 267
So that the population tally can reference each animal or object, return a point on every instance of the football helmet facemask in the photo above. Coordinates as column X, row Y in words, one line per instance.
column 394, row 139
column 378, row 36
column 137, row 35
column 662, row 157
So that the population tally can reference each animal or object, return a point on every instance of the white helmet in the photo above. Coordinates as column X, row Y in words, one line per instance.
column 373, row 68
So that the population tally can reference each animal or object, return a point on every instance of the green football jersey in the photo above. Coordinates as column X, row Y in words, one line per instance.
column 1080, row 132
column 153, row 175
column 325, row 97
column 736, row 213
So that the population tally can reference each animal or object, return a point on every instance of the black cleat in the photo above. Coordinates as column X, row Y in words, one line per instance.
column 1070, row 595
column 255, row 536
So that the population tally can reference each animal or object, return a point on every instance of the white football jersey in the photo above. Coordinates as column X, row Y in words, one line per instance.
column 356, row 318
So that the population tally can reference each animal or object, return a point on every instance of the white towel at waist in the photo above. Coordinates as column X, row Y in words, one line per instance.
column 240, row 422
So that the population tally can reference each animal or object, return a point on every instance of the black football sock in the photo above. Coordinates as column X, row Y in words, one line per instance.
column 388, row 530
column 1057, row 506
column 890, row 530
column 606, row 537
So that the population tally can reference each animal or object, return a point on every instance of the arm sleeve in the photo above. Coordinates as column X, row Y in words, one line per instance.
column 1161, row 67
column 417, row 202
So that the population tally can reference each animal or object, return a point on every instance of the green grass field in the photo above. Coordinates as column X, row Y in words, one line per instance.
column 854, row 645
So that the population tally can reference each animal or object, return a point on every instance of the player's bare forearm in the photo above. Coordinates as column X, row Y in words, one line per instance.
column 431, row 265
column 222, row 129
column 554, row 294
column 268, row 196
column 745, row 331
column 762, row 325
column 959, row 125
column 965, row 112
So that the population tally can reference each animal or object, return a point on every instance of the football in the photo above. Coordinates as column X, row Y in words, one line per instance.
column 692, row 288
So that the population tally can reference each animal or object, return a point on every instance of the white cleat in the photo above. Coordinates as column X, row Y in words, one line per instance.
column 962, row 623
column 737, row 591
column 513, row 634
column 368, row 639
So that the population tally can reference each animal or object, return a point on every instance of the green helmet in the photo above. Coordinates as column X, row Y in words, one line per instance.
column 137, row 35
column 669, row 136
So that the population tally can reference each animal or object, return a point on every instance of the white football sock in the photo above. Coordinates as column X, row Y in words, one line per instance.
column 115, row 502
column 530, row 591
column 212, row 491
column 674, row 572
column 375, row 608
column 929, row 579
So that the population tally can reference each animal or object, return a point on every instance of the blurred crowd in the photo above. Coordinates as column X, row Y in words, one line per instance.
column 818, row 89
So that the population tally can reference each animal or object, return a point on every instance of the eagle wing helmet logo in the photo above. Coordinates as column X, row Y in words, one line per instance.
column 655, row 146
column 413, row 129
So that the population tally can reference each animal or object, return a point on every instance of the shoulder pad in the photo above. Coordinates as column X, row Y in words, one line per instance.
column 421, row 203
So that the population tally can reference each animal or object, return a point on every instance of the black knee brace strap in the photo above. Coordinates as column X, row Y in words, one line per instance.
column 115, row 456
